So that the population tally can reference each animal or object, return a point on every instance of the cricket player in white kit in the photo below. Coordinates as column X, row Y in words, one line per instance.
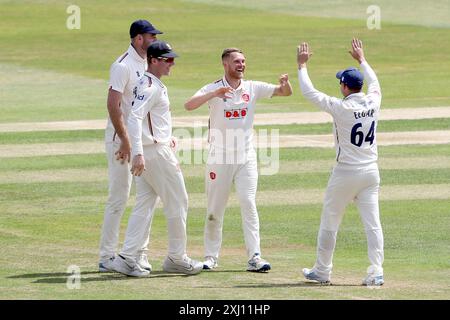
column 124, row 74
column 232, row 157
column 157, row 171
column 355, row 176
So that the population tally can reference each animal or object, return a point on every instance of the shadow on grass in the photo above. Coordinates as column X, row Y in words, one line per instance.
column 302, row 284
column 61, row 277
column 225, row 271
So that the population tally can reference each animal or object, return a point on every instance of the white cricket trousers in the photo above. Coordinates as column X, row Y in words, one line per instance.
column 218, row 180
column 349, row 182
column 120, row 179
column 163, row 178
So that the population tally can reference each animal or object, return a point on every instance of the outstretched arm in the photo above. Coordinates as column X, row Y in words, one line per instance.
column 303, row 55
column 357, row 52
column 284, row 88
column 197, row 100
column 320, row 99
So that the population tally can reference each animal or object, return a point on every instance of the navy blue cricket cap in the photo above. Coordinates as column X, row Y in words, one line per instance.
column 160, row 49
column 352, row 77
column 141, row 27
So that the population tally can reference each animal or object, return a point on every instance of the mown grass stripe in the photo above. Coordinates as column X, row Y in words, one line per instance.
column 53, row 162
column 51, row 136
column 285, row 167
column 306, row 180
column 315, row 196
column 188, row 144
column 383, row 126
column 268, row 202
column 304, row 129
column 285, row 154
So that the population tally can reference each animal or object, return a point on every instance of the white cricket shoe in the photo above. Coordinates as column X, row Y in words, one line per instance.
column 106, row 265
column 142, row 261
column 374, row 276
column 258, row 264
column 372, row 280
column 185, row 265
column 129, row 267
column 310, row 274
column 210, row 263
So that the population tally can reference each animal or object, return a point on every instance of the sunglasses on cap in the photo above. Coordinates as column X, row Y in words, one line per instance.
column 168, row 60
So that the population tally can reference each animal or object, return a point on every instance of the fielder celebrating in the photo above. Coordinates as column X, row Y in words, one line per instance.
column 355, row 176
column 156, row 169
column 124, row 74
column 232, row 157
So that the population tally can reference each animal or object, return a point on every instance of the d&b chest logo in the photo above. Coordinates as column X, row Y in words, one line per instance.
column 234, row 114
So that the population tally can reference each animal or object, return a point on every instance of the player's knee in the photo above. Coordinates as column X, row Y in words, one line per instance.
column 176, row 210
column 214, row 220
column 117, row 205
column 248, row 204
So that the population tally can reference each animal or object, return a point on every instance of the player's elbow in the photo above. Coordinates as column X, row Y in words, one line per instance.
column 189, row 105
column 114, row 109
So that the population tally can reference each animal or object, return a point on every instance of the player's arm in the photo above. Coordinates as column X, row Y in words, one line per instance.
column 320, row 99
column 138, row 112
column 119, row 76
column 284, row 88
column 357, row 52
column 200, row 97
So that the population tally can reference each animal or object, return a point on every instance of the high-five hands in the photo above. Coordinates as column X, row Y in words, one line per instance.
column 357, row 51
column 284, row 80
column 303, row 54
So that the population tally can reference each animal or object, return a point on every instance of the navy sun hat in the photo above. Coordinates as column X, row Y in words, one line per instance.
column 160, row 49
column 141, row 27
column 352, row 77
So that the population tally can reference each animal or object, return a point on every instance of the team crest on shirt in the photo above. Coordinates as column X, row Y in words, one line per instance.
column 245, row 97
column 234, row 114
column 212, row 175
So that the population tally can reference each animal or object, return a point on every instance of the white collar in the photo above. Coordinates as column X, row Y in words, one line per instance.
column 225, row 82
column 133, row 53
column 154, row 78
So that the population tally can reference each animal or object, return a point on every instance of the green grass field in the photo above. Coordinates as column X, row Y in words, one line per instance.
column 51, row 207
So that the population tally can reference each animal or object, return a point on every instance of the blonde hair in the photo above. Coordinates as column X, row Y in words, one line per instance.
column 226, row 52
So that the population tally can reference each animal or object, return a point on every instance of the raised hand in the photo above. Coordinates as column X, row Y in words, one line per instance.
column 303, row 53
column 357, row 51
column 284, row 79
